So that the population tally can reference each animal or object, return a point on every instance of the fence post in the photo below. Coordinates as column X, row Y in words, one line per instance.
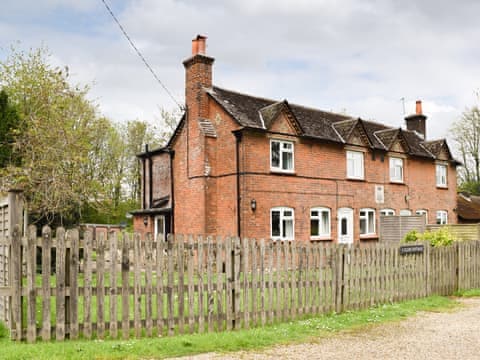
column 426, row 254
column 339, row 278
column 16, row 284
column 236, row 256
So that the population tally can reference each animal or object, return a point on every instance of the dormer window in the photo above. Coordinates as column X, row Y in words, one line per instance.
column 281, row 156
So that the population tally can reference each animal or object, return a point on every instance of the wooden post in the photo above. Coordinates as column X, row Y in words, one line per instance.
column 31, row 272
column 15, row 210
column 236, row 282
column 16, row 284
column 339, row 277
column 427, row 255
column 60, row 293
column 46, row 271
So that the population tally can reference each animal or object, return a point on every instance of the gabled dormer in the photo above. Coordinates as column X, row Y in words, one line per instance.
column 393, row 140
column 353, row 132
column 439, row 149
column 279, row 117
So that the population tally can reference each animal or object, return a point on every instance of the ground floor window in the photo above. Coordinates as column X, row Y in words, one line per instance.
column 319, row 222
column 387, row 212
column 442, row 217
column 282, row 223
column 367, row 221
column 422, row 212
column 159, row 227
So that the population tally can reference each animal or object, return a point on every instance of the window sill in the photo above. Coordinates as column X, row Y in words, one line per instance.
column 284, row 172
column 397, row 182
column 442, row 187
column 355, row 179
column 320, row 238
column 369, row 237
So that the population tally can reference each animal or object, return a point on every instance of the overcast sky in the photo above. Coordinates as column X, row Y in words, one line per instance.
column 350, row 56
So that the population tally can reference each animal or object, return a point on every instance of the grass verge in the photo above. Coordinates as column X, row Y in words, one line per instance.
column 307, row 330
column 468, row 293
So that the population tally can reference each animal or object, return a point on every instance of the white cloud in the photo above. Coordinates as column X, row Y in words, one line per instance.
column 361, row 57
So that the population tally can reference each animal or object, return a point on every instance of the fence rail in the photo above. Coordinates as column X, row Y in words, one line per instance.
column 126, row 285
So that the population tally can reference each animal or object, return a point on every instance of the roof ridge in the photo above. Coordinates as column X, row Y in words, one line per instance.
column 244, row 94
column 277, row 101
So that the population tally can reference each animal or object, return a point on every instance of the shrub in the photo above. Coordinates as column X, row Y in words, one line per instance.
column 412, row 236
column 440, row 237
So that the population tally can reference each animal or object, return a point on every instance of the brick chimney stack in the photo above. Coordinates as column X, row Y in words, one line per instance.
column 417, row 122
column 198, row 75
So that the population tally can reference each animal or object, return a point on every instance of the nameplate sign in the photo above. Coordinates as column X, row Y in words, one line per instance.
column 411, row 249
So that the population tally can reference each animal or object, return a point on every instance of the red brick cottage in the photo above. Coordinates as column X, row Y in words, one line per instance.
column 243, row 165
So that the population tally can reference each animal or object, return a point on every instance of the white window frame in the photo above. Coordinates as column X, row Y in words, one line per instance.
column 319, row 218
column 281, row 151
column 441, row 217
column 396, row 170
column 355, row 165
column 387, row 212
column 156, row 230
column 365, row 217
column 283, row 235
column 441, row 177
column 422, row 212
column 405, row 212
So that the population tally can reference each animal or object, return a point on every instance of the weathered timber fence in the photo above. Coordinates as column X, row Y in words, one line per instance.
column 125, row 285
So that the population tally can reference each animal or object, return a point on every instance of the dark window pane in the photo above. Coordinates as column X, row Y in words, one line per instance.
column 314, row 227
column 344, row 226
column 275, row 223
column 363, row 226
column 275, row 154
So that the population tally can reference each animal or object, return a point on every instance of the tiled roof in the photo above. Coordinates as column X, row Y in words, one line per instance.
column 256, row 112
column 468, row 207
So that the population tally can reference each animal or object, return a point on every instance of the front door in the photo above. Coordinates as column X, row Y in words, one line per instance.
column 345, row 226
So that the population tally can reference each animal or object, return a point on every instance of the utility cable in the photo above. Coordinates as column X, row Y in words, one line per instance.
column 141, row 56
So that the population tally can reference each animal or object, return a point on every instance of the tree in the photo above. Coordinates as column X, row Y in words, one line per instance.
column 58, row 127
column 9, row 123
column 466, row 134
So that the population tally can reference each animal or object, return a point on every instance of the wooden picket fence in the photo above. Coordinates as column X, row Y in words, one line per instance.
column 124, row 285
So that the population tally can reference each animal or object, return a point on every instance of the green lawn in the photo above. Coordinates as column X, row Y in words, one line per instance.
column 308, row 329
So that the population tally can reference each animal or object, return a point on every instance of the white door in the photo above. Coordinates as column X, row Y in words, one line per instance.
column 159, row 226
column 345, row 226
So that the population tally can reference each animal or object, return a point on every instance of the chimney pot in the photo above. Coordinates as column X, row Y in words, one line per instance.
column 199, row 45
column 418, row 107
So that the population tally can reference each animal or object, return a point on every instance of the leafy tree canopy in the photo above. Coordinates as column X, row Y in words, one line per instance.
column 72, row 163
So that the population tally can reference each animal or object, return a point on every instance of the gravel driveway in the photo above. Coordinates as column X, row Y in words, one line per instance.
column 451, row 335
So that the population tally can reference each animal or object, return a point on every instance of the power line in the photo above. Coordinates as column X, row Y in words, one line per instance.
column 141, row 56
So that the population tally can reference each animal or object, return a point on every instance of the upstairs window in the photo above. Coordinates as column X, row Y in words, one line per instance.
column 396, row 170
column 441, row 175
column 367, row 221
column 281, row 155
column 442, row 217
column 319, row 222
column 355, row 165
column 282, row 223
